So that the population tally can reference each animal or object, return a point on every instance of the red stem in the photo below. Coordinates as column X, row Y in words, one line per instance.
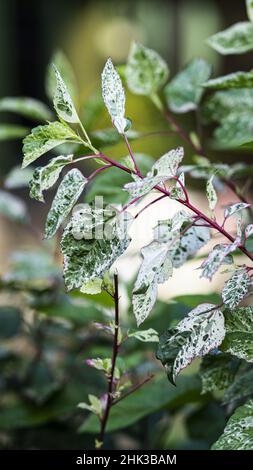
column 132, row 156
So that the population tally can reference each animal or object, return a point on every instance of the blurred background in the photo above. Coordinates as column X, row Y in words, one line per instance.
column 88, row 33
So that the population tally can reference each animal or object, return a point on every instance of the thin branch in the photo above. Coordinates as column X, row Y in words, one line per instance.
column 98, row 170
column 138, row 172
column 133, row 389
column 149, row 204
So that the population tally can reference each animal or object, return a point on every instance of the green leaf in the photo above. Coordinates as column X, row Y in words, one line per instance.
column 211, row 193
column 87, row 258
column 163, row 169
column 95, row 405
column 239, row 333
column 238, row 433
column 10, row 322
column 196, row 335
column 217, row 372
column 232, row 80
column 12, row 131
column 249, row 6
column 184, row 92
column 240, row 388
column 66, row 71
column 63, row 103
column 114, row 96
column 45, row 177
column 45, row 138
column 231, row 210
column 237, row 39
column 12, row 207
column 146, row 71
column 222, row 104
column 154, row 396
column 67, row 195
column 235, row 131
column 27, row 107
column 109, row 184
column 149, row 335
column 18, row 178
column 155, row 269
column 218, row 256
column 236, row 288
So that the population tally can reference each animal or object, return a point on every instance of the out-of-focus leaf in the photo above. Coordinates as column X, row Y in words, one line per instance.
column 27, row 107
column 10, row 322
column 239, row 333
column 12, row 131
column 217, row 372
column 232, row 80
column 241, row 387
column 12, row 207
column 60, row 60
column 236, row 39
column 18, row 178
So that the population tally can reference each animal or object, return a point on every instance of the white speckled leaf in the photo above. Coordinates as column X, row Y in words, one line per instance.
column 88, row 259
column 45, row 138
column 114, row 96
column 231, row 210
column 211, row 193
column 146, row 71
column 63, row 103
column 45, row 177
column 217, row 372
column 232, row 80
column 237, row 39
column 239, row 333
column 156, row 268
column 249, row 230
column 185, row 91
column 149, row 335
column 236, row 288
column 189, row 244
column 202, row 330
column 238, row 433
column 67, row 195
column 217, row 257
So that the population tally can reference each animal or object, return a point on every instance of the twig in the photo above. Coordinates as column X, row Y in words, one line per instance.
column 133, row 389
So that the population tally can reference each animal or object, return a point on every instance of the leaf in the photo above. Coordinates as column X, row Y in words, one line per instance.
column 67, row 195
column 239, row 333
column 155, row 269
column 146, row 72
column 236, row 288
column 187, row 245
column 18, row 178
column 232, row 80
column 95, row 405
column 149, row 335
column 27, row 107
column 10, row 322
column 109, row 184
column 211, row 193
column 163, row 169
column 240, row 388
column 238, row 433
column 202, row 330
column 45, row 138
column 217, row 257
column 45, row 177
column 12, row 207
column 235, row 131
column 63, row 103
column 237, row 39
column 217, row 372
column 248, row 231
column 184, row 92
column 249, row 6
column 231, row 210
column 221, row 104
column 87, row 259
column 154, row 396
column 60, row 60
column 114, row 96
column 12, row 131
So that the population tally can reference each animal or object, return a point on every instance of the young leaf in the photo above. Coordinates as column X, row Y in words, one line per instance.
column 236, row 288
column 231, row 210
column 248, row 231
column 67, row 195
column 149, row 335
column 155, row 269
column 87, row 258
column 44, row 138
column 12, row 207
column 27, row 107
column 232, row 80
column 94, row 407
column 238, row 433
column 114, row 96
column 239, row 333
column 185, row 91
column 146, row 71
column 237, row 39
column 163, row 169
column 63, row 103
column 201, row 331
column 66, row 71
column 45, row 177
column 249, row 6
column 217, row 257
column 217, row 372
column 211, row 193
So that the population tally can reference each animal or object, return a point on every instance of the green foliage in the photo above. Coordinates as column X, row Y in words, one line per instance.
column 217, row 372
column 27, row 107
column 234, row 40
column 232, row 80
column 12, row 132
column 238, row 340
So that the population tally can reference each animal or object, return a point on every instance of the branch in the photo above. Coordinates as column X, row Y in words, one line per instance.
column 133, row 389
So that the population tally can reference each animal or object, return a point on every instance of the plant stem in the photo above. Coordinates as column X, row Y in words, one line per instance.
column 149, row 204
column 132, row 156
column 115, row 351
column 133, row 389
column 98, row 170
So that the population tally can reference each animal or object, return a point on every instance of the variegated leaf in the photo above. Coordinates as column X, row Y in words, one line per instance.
column 211, row 193
column 237, row 39
column 149, row 335
column 217, row 257
column 231, row 210
column 236, row 288
column 232, row 80
column 239, row 333
column 248, row 231
column 188, row 245
column 217, row 372
column 63, row 103
column 114, row 96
